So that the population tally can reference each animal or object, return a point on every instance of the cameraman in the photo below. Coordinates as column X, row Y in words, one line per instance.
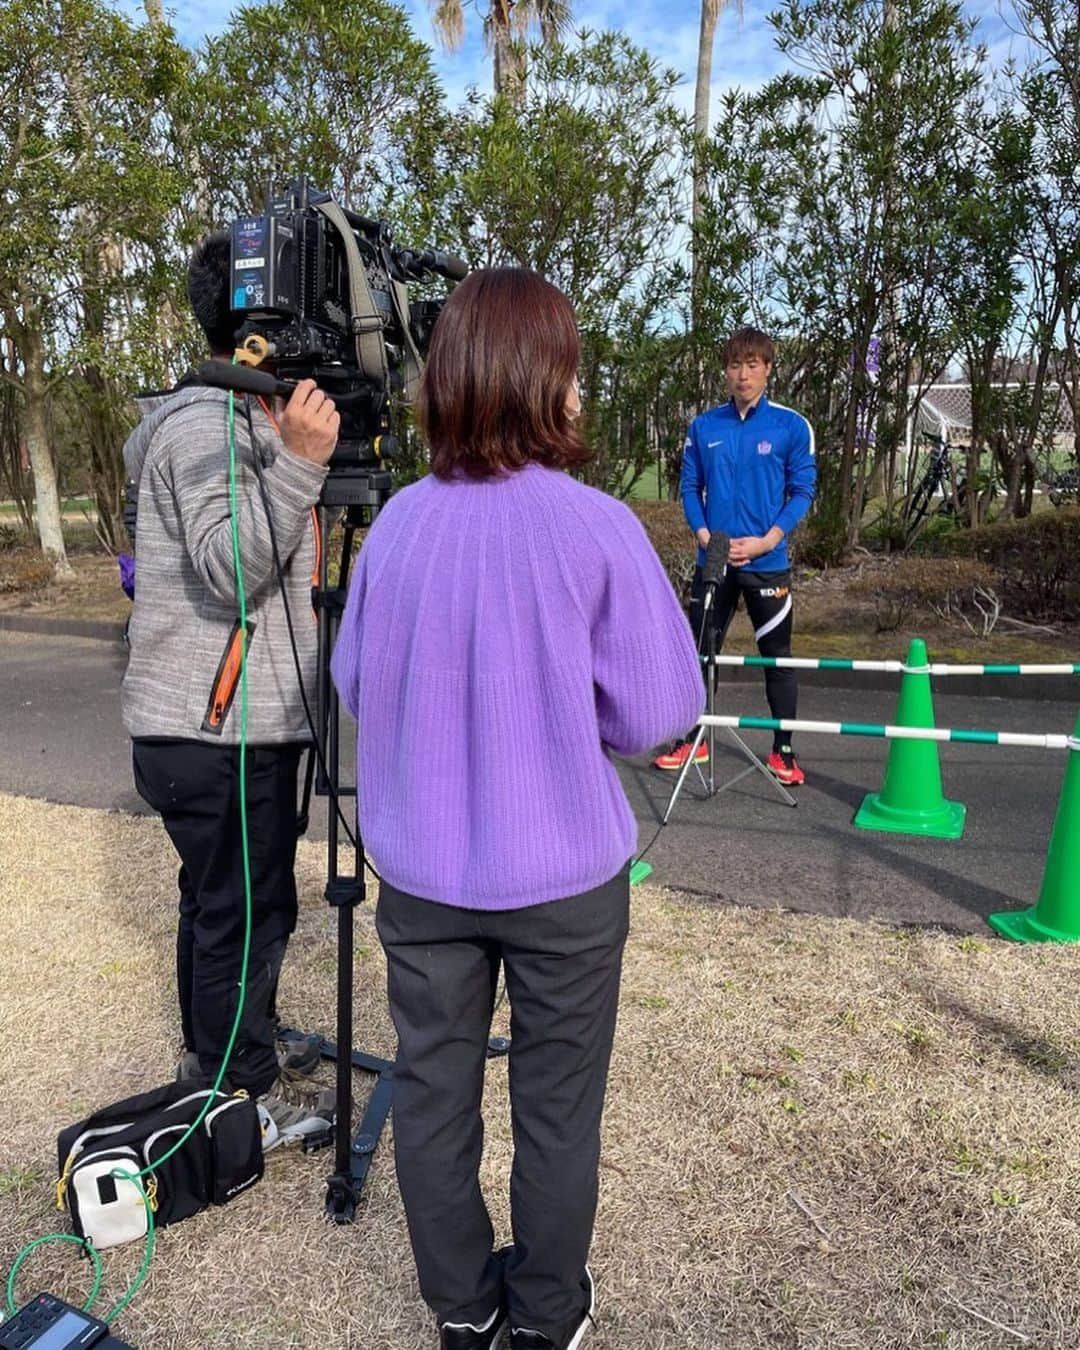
column 179, row 695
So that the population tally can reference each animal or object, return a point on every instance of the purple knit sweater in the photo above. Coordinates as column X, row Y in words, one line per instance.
column 500, row 639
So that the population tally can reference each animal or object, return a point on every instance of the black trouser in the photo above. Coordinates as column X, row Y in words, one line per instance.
column 195, row 788
column 562, row 961
column 768, row 603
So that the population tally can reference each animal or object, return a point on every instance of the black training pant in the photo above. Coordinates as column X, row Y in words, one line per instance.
column 562, row 961
column 768, row 603
column 195, row 788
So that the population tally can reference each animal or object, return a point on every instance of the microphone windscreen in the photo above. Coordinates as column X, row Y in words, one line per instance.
column 242, row 379
column 716, row 556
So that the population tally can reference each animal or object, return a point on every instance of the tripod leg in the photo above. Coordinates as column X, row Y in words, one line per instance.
column 352, row 1153
column 683, row 772
column 755, row 763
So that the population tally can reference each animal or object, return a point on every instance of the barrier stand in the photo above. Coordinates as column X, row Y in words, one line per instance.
column 911, row 800
column 1056, row 915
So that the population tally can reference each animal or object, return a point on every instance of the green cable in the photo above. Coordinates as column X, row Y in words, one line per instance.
column 241, row 600
column 136, row 1177
column 87, row 1247
column 148, row 1253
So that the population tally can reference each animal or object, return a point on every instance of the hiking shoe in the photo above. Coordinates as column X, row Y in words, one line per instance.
column 188, row 1067
column 677, row 756
column 287, row 1122
column 299, row 1054
column 784, row 767
column 521, row 1338
column 296, row 1061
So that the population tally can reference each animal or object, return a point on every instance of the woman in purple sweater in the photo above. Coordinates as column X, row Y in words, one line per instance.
column 508, row 630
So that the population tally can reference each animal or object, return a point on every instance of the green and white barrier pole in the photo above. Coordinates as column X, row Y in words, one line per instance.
column 889, row 667
column 885, row 731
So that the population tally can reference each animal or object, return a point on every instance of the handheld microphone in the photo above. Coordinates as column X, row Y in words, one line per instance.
column 713, row 574
column 243, row 379
column 716, row 556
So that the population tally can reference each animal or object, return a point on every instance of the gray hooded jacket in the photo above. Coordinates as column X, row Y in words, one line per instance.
column 182, row 680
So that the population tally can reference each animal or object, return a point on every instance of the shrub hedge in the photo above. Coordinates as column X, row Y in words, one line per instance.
column 948, row 586
column 666, row 527
column 1037, row 560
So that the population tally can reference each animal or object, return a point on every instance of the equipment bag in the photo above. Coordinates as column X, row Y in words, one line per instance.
column 222, row 1158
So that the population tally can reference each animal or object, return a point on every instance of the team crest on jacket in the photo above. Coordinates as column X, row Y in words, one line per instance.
column 764, row 447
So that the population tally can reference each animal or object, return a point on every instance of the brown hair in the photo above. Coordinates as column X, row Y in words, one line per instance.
column 748, row 342
column 504, row 353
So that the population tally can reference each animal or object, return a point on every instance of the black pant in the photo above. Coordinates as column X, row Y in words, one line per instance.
column 562, row 962
column 195, row 788
column 768, row 603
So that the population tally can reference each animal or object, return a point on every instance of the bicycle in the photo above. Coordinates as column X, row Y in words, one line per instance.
column 940, row 476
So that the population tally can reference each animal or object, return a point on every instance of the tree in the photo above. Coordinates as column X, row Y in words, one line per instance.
column 585, row 183
column 984, row 287
column 346, row 95
column 507, row 25
column 1049, row 91
column 832, row 214
column 710, row 16
column 79, row 147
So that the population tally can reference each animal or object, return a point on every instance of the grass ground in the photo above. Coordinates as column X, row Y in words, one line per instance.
column 819, row 1133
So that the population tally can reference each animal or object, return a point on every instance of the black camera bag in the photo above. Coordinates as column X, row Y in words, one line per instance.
column 221, row 1159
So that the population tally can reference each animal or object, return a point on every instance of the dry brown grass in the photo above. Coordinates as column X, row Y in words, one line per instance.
column 819, row 1133
column 92, row 592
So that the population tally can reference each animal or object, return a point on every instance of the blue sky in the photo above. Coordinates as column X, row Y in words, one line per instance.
column 744, row 54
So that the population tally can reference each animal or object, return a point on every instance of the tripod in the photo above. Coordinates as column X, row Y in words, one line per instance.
column 360, row 493
column 708, row 645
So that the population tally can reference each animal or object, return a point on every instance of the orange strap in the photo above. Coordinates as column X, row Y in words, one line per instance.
column 266, row 409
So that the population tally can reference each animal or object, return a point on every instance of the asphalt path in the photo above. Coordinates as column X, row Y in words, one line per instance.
column 61, row 739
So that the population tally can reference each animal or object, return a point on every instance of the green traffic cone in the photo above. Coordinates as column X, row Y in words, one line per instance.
column 1056, row 916
column 911, row 800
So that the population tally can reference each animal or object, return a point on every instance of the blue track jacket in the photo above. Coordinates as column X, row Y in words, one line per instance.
column 743, row 476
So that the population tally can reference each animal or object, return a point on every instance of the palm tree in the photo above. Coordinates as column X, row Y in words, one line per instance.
column 710, row 15
column 506, row 24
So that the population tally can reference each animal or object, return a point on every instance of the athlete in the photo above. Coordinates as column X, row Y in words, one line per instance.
column 748, row 470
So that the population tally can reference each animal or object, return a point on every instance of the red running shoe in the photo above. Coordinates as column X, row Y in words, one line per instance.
column 677, row 756
column 784, row 767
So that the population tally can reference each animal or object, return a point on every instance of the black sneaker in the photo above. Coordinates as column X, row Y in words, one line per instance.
column 468, row 1336
column 521, row 1338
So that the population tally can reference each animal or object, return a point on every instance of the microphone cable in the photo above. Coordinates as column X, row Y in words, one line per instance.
column 713, row 575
